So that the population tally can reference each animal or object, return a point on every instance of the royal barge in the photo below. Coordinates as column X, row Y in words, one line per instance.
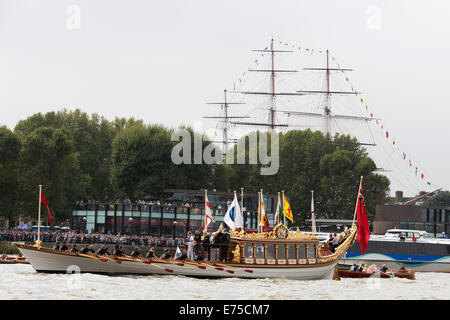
column 279, row 253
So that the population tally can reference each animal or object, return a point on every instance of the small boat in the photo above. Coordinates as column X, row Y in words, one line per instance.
column 279, row 253
column 416, row 249
column 408, row 274
column 13, row 260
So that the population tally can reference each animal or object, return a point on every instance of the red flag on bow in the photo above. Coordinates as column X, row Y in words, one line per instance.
column 363, row 222
column 44, row 202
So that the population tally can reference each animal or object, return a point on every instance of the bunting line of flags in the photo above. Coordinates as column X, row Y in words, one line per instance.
column 311, row 51
column 384, row 131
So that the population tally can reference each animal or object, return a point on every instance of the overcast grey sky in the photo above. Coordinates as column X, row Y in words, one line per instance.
column 161, row 61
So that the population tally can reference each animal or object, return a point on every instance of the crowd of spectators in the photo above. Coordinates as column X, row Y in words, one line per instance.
column 93, row 238
column 177, row 203
column 149, row 203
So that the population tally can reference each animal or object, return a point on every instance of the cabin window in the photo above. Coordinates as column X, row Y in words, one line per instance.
column 249, row 251
column 281, row 252
column 270, row 251
column 311, row 252
column 301, row 252
column 259, row 252
column 291, row 252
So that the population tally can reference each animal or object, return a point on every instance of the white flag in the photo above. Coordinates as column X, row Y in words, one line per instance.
column 234, row 218
column 178, row 252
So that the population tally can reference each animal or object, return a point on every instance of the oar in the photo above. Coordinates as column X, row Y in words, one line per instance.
column 154, row 265
column 168, row 261
column 246, row 270
column 150, row 263
column 101, row 258
column 205, row 265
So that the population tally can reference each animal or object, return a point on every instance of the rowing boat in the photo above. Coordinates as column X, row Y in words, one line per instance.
column 279, row 253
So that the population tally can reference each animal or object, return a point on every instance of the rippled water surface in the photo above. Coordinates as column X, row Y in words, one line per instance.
column 22, row 282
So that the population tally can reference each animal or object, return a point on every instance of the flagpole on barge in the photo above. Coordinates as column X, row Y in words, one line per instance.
column 356, row 206
column 38, row 241
column 242, row 210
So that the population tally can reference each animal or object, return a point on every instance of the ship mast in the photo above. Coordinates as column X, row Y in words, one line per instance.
column 272, row 93
column 327, row 107
column 226, row 122
column 272, row 79
column 327, row 103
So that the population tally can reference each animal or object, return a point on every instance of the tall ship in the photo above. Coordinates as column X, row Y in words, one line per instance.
column 317, row 103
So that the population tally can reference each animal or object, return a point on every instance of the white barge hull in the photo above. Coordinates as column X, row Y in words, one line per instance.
column 43, row 261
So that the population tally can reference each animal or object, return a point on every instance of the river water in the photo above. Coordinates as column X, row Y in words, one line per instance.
column 19, row 281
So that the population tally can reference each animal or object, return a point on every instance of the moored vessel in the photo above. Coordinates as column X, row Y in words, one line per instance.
column 416, row 249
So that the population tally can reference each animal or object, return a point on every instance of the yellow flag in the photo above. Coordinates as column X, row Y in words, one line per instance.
column 287, row 209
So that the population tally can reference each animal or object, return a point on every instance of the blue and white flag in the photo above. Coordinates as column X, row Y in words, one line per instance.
column 177, row 253
column 234, row 218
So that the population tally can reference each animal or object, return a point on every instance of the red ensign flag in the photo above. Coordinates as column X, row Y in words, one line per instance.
column 44, row 202
column 363, row 222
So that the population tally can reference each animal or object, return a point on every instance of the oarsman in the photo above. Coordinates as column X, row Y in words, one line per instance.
column 166, row 254
column 74, row 248
column 118, row 251
column 56, row 246
column 64, row 246
column 135, row 253
column 182, row 256
column 150, row 253
column 103, row 251
column 84, row 250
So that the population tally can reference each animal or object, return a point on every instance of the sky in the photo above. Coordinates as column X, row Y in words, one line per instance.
column 162, row 61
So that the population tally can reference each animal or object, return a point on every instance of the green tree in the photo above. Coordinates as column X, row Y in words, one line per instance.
column 48, row 158
column 331, row 166
column 92, row 139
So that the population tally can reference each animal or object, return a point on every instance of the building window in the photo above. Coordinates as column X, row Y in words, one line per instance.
column 424, row 215
column 419, row 226
column 429, row 227
column 431, row 215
